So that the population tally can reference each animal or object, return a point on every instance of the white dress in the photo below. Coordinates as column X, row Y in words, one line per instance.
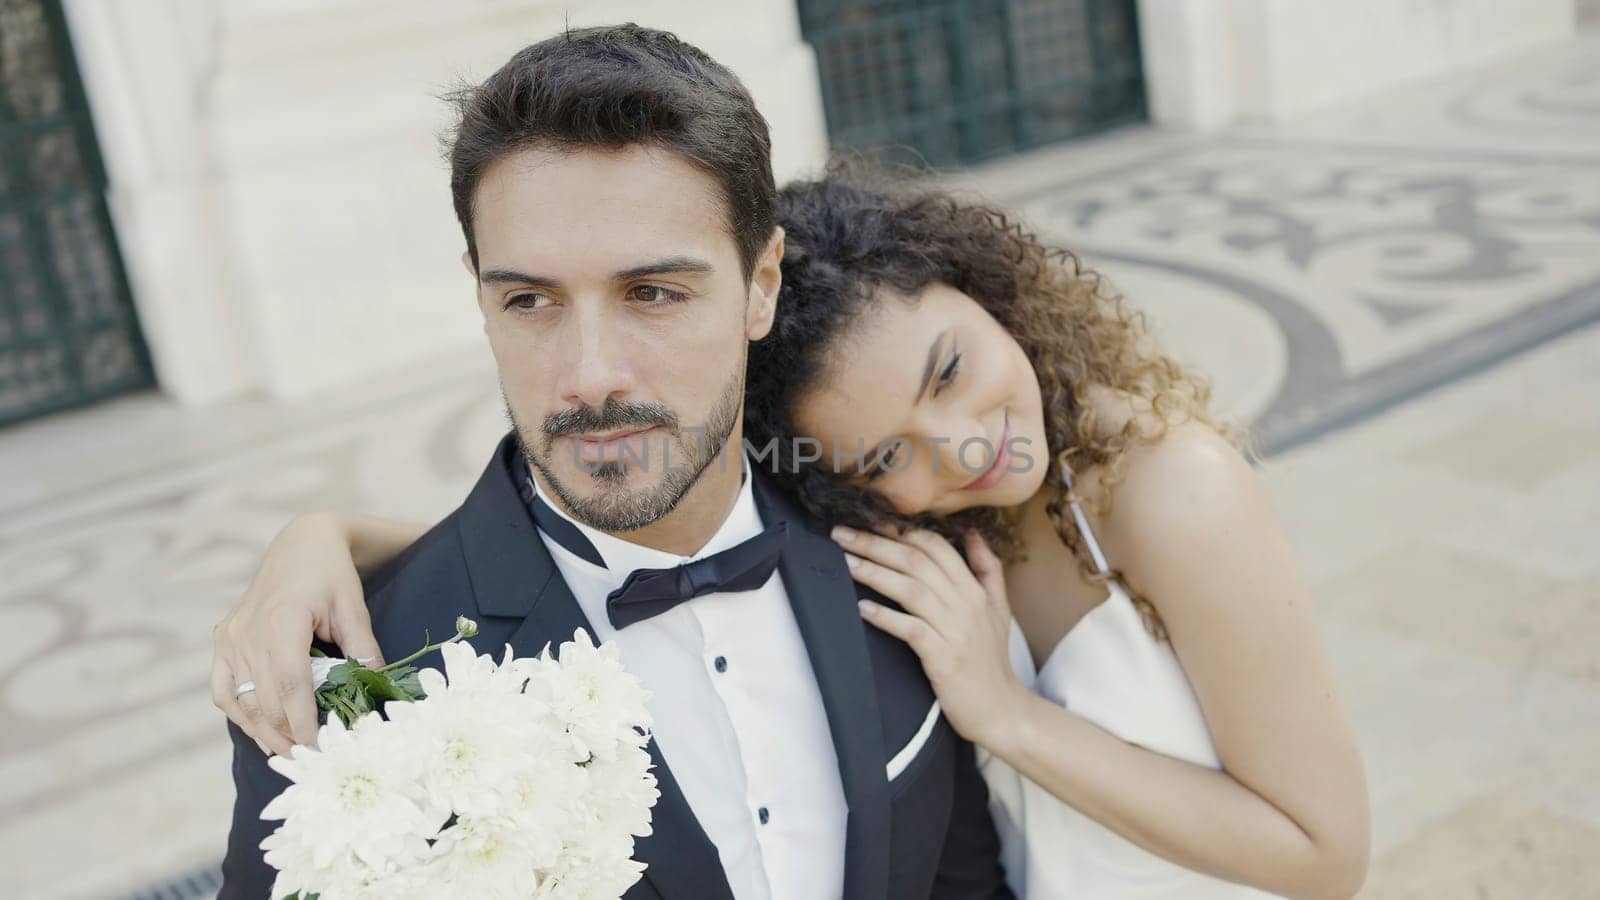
column 1111, row 671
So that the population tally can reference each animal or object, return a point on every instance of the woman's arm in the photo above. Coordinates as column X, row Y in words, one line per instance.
column 1193, row 530
column 373, row 542
column 308, row 584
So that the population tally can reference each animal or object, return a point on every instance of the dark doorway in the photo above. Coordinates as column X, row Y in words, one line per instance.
column 68, row 332
column 958, row 81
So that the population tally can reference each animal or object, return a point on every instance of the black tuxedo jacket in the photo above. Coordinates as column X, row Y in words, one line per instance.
column 926, row 833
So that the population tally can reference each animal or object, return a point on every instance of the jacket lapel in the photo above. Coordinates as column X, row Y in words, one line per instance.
column 824, row 600
column 514, row 577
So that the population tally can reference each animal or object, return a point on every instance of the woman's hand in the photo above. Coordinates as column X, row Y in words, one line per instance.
column 956, row 618
column 307, row 585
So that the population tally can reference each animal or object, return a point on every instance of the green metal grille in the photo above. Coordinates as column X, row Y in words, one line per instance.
column 68, row 333
column 958, row 81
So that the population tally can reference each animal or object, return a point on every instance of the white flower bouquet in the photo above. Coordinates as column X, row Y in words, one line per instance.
column 526, row 778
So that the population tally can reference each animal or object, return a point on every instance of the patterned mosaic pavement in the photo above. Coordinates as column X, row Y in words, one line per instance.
column 1330, row 276
column 1372, row 252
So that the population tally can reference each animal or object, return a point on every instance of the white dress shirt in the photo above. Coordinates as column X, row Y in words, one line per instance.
column 738, row 715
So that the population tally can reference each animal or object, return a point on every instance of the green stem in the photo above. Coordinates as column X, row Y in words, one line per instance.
column 420, row 653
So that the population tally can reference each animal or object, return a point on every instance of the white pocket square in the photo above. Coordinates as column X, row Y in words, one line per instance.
column 900, row 760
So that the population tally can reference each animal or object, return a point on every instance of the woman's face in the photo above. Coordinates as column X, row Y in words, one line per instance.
column 933, row 404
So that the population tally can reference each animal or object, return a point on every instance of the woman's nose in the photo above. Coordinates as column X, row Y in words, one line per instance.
column 958, row 451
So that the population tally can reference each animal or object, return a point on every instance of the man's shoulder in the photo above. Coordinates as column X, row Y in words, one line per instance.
column 426, row 583
column 437, row 549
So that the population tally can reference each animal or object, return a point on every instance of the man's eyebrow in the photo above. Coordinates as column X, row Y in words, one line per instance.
column 685, row 265
column 927, row 378
column 511, row 276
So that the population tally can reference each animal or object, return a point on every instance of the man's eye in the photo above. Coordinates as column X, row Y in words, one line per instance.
column 524, row 301
column 655, row 293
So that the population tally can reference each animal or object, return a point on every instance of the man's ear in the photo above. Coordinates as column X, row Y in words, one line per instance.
column 466, row 263
column 766, row 279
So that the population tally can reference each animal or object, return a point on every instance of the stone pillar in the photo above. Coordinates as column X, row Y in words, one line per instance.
column 1191, row 54
column 144, row 68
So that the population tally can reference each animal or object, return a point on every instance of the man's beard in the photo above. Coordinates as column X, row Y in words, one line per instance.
column 613, row 507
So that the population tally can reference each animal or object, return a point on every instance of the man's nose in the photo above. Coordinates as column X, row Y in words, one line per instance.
column 595, row 363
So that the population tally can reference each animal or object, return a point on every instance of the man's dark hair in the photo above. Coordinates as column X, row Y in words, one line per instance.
column 610, row 87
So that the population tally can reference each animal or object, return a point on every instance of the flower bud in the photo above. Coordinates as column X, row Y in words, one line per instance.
column 466, row 627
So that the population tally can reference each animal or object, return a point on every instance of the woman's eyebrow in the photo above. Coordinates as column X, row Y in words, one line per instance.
column 932, row 360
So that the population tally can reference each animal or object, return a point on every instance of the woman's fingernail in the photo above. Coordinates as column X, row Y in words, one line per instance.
column 843, row 534
column 851, row 560
column 868, row 608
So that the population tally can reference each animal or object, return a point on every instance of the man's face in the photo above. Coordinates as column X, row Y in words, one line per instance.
column 616, row 307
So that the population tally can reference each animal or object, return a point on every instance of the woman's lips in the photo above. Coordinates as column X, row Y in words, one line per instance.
column 997, row 470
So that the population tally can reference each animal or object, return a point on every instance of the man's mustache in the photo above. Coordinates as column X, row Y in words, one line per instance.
column 612, row 416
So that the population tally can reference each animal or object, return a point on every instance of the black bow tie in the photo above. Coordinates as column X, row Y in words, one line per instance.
column 744, row 567
column 651, row 592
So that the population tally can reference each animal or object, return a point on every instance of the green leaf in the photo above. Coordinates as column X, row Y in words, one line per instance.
column 379, row 686
column 411, row 685
column 344, row 700
column 353, row 690
column 343, row 672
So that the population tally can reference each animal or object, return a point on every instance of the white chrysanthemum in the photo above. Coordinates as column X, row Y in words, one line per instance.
column 537, row 764
column 355, row 792
column 466, row 672
column 546, row 801
column 474, row 734
column 602, row 705
column 355, row 882
column 581, row 876
column 287, row 851
column 483, row 858
column 471, row 746
column 621, row 793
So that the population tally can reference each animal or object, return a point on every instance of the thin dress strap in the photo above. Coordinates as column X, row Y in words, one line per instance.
column 1083, row 523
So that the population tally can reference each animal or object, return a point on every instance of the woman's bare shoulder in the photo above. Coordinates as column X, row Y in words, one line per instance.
column 1190, row 480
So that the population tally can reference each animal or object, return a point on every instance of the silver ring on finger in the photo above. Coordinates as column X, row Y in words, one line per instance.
column 244, row 687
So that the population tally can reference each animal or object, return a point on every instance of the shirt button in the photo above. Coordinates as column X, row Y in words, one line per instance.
column 720, row 663
column 762, row 815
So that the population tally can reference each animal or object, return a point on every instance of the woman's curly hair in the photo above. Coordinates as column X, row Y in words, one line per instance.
column 848, row 235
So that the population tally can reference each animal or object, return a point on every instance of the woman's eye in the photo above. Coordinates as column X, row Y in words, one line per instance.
column 885, row 464
column 655, row 293
column 949, row 373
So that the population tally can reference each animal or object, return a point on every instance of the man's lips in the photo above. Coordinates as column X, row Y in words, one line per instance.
column 597, row 436
column 597, row 447
column 997, row 470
